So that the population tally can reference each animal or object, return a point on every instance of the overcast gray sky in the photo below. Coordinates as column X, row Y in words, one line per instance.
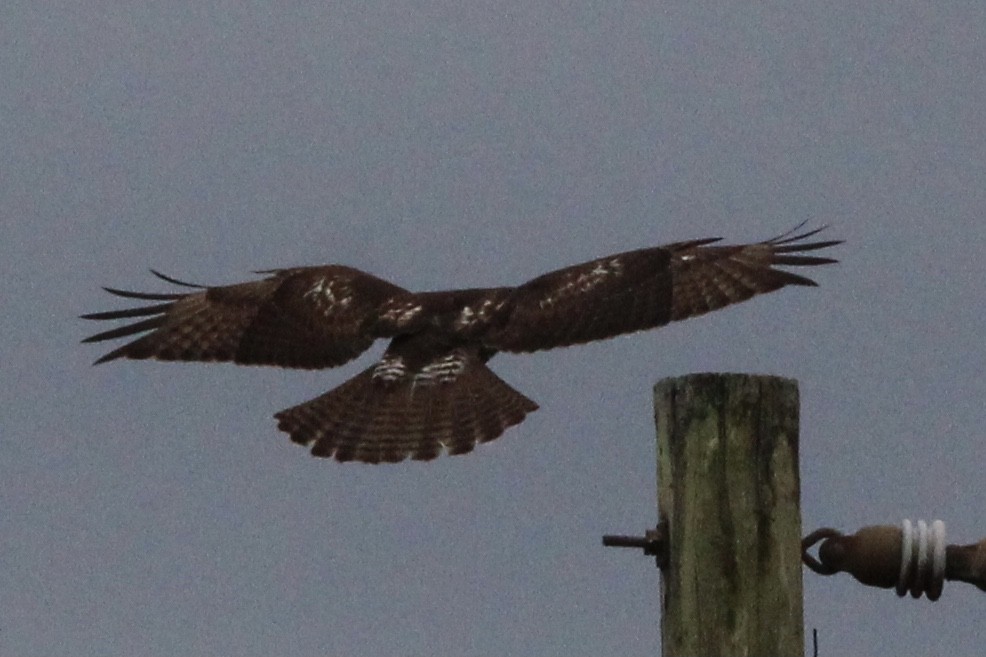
column 155, row 509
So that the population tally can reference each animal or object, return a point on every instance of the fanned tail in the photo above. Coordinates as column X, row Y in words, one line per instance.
column 376, row 418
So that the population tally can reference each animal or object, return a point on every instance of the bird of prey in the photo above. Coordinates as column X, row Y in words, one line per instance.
column 432, row 390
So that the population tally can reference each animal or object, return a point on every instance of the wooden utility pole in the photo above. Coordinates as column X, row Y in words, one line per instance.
column 729, row 502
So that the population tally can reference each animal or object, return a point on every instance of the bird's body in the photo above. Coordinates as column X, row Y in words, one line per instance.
column 432, row 390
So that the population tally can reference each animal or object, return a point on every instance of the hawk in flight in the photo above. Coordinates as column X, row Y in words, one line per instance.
column 432, row 390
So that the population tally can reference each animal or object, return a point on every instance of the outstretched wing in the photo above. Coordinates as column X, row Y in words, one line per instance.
column 307, row 317
column 647, row 288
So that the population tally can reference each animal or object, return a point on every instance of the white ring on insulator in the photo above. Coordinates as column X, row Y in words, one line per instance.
column 906, row 550
column 937, row 580
column 919, row 576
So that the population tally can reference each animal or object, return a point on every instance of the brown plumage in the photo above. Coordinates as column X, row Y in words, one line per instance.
column 432, row 390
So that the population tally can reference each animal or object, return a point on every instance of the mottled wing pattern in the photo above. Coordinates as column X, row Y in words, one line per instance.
column 647, row 288
column 420, row 399
column 309, row 317
column 591, row 301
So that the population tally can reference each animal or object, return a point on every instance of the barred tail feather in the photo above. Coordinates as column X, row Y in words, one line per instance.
column 369, row 420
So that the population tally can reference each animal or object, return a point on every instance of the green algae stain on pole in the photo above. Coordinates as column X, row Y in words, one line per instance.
column 729, row 491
